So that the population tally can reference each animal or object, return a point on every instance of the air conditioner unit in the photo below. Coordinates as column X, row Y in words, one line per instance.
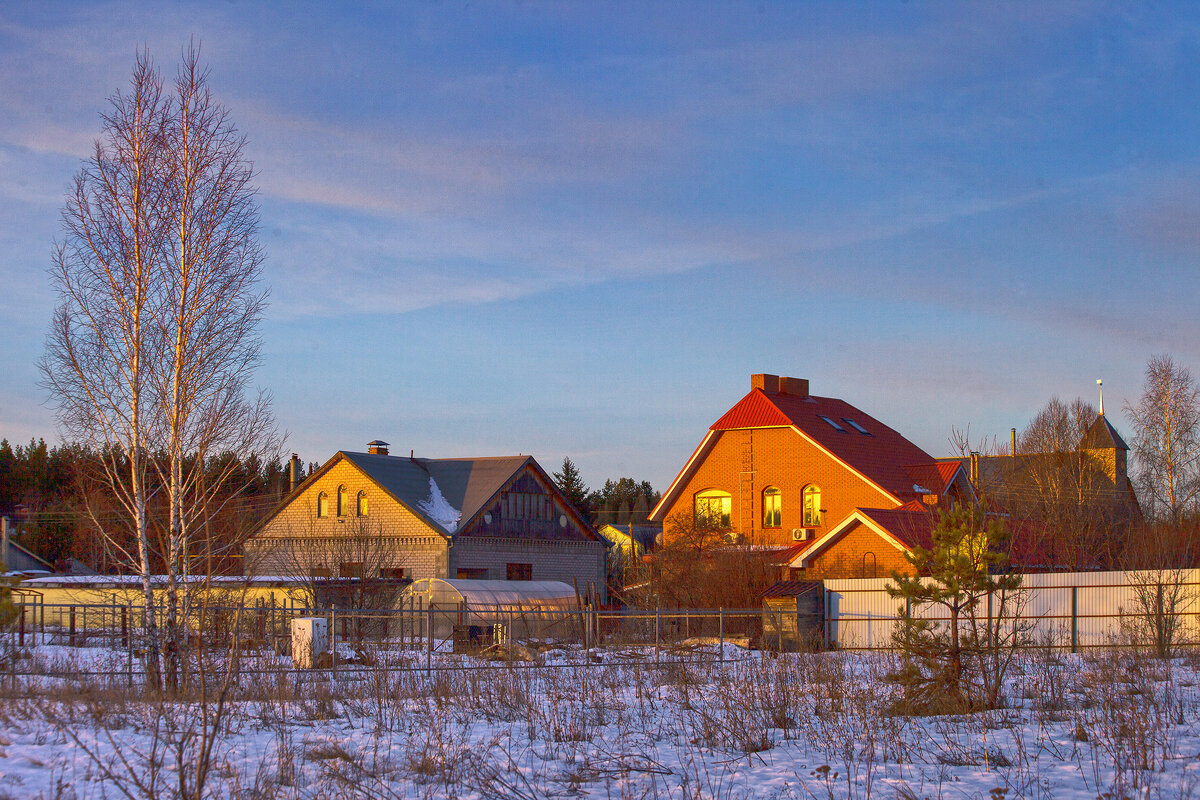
column 800, row 534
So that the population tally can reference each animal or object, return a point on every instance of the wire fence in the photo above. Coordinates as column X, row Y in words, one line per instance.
column 109, row 641
column 1070, row 611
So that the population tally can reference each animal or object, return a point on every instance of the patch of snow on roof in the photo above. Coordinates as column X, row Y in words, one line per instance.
column 439, row 509
column 919, row 489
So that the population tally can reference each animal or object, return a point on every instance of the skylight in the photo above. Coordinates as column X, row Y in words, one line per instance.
column 856, row 426
column 835, row 426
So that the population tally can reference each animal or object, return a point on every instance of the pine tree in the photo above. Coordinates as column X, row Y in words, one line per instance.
column 958, row 661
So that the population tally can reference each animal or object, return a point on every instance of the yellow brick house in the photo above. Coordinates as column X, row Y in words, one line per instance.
column 375, row 515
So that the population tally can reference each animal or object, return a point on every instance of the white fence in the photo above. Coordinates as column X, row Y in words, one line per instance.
column 1076, row 609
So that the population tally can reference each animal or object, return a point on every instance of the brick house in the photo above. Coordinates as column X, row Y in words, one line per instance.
column 374, row 515
column 815, row 483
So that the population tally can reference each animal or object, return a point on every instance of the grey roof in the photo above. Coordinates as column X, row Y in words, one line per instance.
column 466, row 483
column 1102, row 435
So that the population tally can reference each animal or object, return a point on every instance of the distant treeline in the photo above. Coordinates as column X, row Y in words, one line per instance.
column 55, row 502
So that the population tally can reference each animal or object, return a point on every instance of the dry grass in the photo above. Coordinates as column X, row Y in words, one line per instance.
column 679, row 730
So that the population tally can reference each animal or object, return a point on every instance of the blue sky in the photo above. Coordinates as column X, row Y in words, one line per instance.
column 576, row 229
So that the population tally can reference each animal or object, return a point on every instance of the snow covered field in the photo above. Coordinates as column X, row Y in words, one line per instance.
column 1100, row 724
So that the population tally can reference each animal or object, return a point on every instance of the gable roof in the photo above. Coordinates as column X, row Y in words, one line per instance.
column 935, row 477
column 1102, row 435
column 881, row 455
column 903, row 528
column 467, row 484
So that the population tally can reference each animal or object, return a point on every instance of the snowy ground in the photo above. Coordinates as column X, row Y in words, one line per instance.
column 1102, row 724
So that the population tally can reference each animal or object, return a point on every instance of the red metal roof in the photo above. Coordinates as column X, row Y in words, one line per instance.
column 935, row 477
column 882, row 454
column 755, row 410
column 911, row 527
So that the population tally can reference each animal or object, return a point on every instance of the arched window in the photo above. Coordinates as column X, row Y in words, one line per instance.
column 812, row 505
column 712, row 508
column 323, row 504
column 343, row 501
column 771, row 503
column 362, row 504
column 870, row 565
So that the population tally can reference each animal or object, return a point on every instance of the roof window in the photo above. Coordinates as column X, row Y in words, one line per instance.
column 833, row 424
column 856, row 426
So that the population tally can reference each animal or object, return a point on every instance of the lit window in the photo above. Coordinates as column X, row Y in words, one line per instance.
column 856, row 426
column 712, row 508
column 812, row 505
column 833, row 424
column 343, row 501
column 323, row 504
column 771, row 504
column 362, row 504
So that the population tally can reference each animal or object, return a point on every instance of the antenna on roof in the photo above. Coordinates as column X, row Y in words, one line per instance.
column 1100, row 383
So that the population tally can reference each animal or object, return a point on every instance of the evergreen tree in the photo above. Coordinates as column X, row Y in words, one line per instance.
column 620, row 500
column 958, row 661
column 571, row 484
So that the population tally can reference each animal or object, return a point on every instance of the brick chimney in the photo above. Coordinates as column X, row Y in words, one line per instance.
column 377, row 448
column 773, row 384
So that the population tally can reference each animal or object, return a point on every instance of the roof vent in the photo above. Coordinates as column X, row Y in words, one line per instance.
column 377, row 448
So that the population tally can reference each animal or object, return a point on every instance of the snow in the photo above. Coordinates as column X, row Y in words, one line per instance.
column 755, row 726
column 438, row 508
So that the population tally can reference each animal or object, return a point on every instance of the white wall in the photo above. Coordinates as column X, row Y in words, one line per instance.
column 1093, row 608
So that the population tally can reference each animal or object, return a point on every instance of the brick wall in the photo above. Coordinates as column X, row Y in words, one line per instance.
column 582, row 561
column 782, row 458
column 390, row 536
column 845, row 557
column 296, row 541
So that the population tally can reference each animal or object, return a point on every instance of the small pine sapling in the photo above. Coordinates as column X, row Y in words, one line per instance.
column 951, row 658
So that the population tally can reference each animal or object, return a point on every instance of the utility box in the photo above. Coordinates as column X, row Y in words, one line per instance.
column 310, row 638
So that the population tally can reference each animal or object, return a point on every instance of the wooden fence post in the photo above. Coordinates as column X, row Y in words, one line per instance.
column 71, row 638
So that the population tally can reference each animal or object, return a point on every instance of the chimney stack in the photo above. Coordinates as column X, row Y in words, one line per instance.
column 774, row 384
column 377, row 448
column 1014, row 441
column 294, row 472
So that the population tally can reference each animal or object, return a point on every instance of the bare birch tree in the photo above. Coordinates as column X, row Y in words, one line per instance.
column 1166, row 438
column 213, row 301
column 155, row 339
column 95, row 365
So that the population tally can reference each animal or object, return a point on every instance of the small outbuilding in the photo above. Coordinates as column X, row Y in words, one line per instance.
column 794, row 616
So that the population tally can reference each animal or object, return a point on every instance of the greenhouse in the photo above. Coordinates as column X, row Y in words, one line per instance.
column 493, row 610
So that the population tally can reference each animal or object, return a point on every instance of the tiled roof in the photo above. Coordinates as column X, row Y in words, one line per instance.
column 881, row 454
